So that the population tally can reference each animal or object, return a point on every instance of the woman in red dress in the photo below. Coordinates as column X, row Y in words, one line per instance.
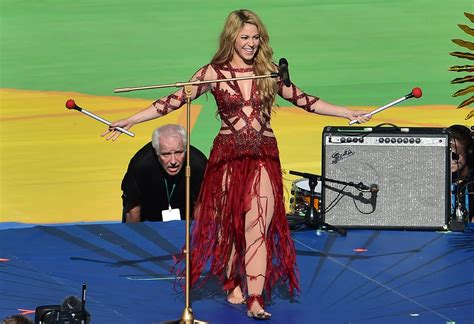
column 240, row 222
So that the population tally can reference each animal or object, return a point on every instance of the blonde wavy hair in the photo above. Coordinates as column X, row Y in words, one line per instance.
column 262, row 62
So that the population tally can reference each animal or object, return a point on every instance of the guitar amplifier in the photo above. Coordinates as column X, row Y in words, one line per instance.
column 404, row 174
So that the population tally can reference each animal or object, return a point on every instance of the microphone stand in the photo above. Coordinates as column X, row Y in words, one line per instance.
column 312, row 218
column 187, row 316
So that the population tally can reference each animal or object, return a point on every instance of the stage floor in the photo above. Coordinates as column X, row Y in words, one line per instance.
column 369, row 276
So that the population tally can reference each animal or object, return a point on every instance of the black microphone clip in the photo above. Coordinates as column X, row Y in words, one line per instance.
column 362, row 187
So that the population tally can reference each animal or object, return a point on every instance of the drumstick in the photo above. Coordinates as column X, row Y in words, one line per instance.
column 415, row 93
column 70, row 104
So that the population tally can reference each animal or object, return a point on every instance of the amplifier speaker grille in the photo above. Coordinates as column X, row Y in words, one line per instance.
column 408, row 172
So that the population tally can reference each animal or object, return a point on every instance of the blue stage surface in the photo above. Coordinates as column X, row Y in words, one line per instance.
column 369, row 276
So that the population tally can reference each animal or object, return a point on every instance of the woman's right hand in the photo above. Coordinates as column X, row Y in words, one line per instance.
column 112, row 133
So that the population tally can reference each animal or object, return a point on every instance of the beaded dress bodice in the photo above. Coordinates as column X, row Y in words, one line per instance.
column 239, row 107
column 238, row 102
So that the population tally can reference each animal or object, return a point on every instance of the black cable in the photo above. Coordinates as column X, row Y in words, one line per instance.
column 335, row 201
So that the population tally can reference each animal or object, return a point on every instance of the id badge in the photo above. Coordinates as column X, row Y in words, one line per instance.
column 170, row 214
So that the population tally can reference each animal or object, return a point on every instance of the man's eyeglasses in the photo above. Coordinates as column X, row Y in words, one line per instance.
column 454, row 156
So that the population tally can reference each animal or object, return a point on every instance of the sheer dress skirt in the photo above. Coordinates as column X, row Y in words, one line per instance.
column 237, row 170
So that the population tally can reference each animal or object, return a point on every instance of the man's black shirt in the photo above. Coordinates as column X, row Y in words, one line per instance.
column 144, row 183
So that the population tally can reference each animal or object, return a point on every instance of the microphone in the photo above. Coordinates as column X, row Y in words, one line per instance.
column 415, row 93
column 374, row 188
column 283, row 72
column 71, row 104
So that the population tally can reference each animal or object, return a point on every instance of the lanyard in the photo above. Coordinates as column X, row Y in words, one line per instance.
column 168, row 194
column 466, row 196
column 453, row 197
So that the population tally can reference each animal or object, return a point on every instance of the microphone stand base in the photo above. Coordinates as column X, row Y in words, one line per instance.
column 186, row 318
column 325, row 226
column 297, row 223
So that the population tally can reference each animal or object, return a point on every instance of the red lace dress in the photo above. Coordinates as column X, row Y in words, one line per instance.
column 243, row 160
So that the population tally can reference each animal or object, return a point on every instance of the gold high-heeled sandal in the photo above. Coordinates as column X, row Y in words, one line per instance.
column 262, row 314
